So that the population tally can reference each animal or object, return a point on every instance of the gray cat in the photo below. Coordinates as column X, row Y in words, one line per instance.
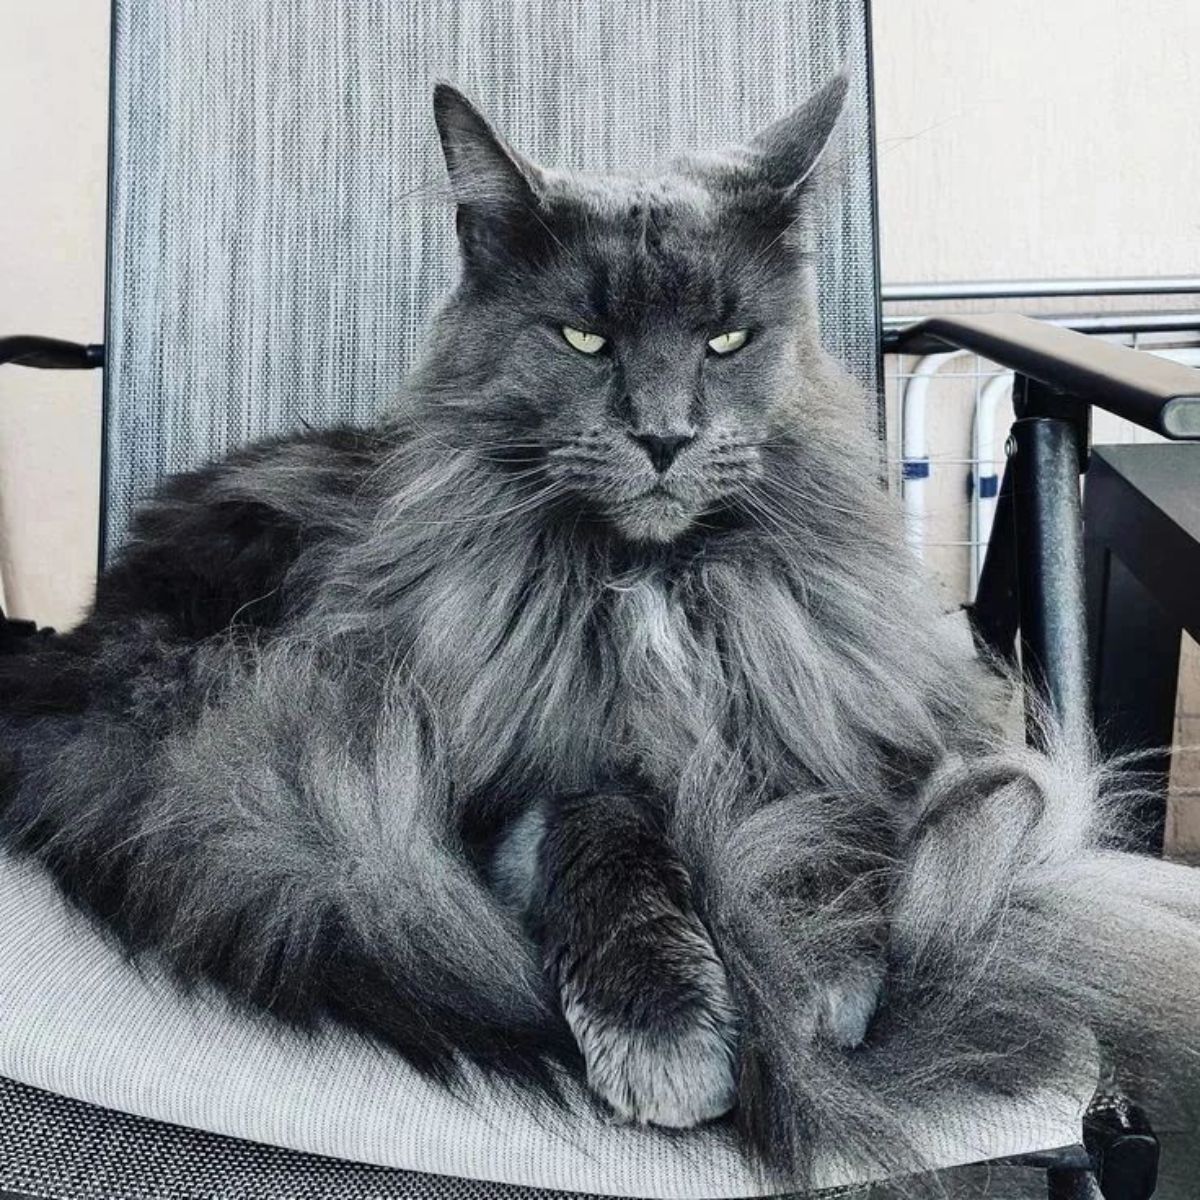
column 587, row 711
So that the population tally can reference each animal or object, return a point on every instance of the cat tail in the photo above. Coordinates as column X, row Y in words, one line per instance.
column 1021, row 956
column 1015, row 910
column 255, row 827
column 792, row 893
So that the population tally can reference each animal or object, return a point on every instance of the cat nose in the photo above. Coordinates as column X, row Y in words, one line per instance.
column 662, row 448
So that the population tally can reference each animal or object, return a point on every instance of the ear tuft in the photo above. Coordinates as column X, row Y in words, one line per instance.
column 789, row 149
column 495, row 188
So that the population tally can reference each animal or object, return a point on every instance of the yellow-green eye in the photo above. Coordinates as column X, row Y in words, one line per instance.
column 727, row 343
column 585, row 343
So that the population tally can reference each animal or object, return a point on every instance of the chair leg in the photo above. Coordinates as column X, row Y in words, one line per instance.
column 1123, row 1146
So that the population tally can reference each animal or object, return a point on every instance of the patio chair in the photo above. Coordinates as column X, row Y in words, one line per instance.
column 274, row 255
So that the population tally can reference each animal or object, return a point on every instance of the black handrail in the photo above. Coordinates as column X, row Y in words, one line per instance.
column 1150, row 391
column 50, row 354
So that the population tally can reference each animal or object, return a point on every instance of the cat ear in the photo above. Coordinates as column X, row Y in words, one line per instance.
column 495, row 188
column 789, row 149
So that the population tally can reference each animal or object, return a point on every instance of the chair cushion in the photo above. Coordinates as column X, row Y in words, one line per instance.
column 78, row 1020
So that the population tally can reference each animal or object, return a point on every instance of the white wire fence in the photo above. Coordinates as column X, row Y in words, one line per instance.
column 948, row 418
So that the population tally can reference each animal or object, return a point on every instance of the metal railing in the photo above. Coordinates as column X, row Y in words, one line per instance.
column 949, row 412
column 1021, row 289
column 1147, row 322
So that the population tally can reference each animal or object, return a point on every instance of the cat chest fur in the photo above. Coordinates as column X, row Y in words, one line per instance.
column 557, row 687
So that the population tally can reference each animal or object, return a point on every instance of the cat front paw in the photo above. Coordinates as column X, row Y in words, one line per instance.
column 669, row 1057
column 676, row 1080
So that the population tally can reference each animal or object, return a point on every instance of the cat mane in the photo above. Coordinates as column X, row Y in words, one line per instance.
column 543, row 643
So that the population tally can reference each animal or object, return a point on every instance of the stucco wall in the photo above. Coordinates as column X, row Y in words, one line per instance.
column 1045, row 138
column 53, row 129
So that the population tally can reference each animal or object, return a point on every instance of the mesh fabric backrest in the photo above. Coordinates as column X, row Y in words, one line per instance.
column 277, row 245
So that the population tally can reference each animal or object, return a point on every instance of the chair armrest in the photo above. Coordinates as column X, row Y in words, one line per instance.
column 1150, row 391
column 25, row 350
column 50, row 353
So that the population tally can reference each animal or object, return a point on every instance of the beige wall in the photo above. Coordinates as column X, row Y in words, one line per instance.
column 53, row 120
column 1017, row 137
column 1040, row 138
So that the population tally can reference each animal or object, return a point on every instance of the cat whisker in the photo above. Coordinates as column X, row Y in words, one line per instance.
column 771, row 523
column 808, row 497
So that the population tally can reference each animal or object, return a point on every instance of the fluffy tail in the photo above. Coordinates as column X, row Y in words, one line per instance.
column 1017, row 946
column 254, row 824
column 1018, row 889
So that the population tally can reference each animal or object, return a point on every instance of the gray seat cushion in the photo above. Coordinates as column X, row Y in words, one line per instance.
column 77, row 1020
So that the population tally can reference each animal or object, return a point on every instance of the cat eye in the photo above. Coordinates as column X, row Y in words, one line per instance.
column 727, row 343
column 585, row 343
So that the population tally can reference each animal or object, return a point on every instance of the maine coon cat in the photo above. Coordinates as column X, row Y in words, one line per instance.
column 586, row 710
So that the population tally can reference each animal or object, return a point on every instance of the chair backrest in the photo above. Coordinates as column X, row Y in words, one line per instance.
column 275, row 252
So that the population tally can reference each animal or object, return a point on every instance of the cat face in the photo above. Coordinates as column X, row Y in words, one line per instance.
column 624, row 342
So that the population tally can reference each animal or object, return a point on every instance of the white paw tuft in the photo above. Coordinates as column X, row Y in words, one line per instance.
column 847, row 1004
column 677, row 1077
column 676, row 1080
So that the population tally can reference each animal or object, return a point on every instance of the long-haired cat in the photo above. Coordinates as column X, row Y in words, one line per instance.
column 586, row 710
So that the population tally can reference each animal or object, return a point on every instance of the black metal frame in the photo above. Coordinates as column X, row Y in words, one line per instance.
column 1040, row 576
column 45, row 354
column 1033, row 572
column 50, row 354
column 1142, row 573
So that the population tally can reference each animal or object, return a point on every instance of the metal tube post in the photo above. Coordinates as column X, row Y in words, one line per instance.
column 1049, row 447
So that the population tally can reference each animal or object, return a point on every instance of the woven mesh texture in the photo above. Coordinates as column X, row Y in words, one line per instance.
column 78, row 1020
column 279, row 231
column 52, row 1146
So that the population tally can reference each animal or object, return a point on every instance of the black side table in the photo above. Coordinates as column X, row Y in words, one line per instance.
column 1142, row 561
